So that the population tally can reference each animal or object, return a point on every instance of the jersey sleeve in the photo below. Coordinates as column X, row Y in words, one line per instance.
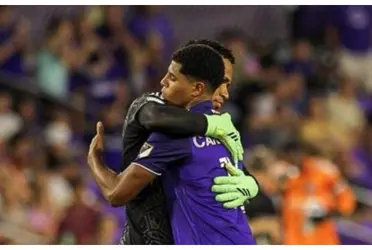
column 160, row 152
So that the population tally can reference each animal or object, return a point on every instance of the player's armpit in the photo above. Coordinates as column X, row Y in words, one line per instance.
column 171, row 120
column 130, row 183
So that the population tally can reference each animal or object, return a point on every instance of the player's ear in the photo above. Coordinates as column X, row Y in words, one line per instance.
column 198, row 89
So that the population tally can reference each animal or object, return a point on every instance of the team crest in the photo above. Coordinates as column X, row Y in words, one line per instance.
column 145, row 150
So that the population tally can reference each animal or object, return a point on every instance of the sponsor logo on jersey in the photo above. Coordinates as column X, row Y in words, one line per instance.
column 146, row 150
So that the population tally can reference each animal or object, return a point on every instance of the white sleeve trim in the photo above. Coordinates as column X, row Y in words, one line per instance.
column 151, row 171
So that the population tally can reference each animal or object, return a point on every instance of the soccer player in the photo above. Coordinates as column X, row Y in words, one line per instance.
column 200, row 61
column 147, row 218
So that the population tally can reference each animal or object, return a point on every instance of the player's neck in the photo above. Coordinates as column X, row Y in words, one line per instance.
column 197, row 100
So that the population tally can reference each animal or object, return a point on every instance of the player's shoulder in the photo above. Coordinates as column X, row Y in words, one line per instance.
column 175, row 141
column 156, row 136
column 148, row 97
column 138, row 103
column 145, row 98
column 153, row 97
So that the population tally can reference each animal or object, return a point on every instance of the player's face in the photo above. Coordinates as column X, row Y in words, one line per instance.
column 222, row 93
column 177, row 88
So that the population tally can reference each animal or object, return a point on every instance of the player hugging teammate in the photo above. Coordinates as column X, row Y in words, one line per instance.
column 159, row 139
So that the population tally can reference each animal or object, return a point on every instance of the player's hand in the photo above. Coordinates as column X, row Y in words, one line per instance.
column 96, row 145
column 233, row 191
column 222, row 128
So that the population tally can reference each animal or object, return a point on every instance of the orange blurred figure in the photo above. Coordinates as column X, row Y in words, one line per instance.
column 310, row 198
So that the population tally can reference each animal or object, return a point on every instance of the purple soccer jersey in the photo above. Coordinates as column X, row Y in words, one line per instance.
column 187, row 167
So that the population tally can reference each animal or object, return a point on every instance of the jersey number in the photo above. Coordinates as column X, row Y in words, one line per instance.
column 223, row 162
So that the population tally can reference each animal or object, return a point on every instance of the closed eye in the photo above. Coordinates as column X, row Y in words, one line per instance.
column 172, row 77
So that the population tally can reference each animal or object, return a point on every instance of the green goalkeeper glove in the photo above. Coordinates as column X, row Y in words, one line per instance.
column 222, row 128
column 233, row 191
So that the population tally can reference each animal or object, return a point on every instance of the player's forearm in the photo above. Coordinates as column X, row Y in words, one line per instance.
column 129, row 184
column 118, row 189
column 104, row 177
column 171, row 120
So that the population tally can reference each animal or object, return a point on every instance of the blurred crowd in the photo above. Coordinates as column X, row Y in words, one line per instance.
column 315, row 87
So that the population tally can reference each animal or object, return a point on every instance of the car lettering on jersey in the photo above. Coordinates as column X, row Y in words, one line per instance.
column 201, row 142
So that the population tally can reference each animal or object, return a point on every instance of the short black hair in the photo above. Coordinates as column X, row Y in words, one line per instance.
column 201, row 63
column 222, row 50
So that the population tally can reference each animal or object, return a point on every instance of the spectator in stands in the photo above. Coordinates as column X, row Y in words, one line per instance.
column 59, row 190
column 153, row 29
column 116, row 37
column 101, row 72
column 10, row 122
column 42, row 217
column 58, row 134
column 154, row 35
column 52, row 69
column 298, row 92
column 23, row 152
column 123, row 97
column 353, row 25
column 12, row 208
column 247, row 65
column 81, row 222
column 14, row 42
column 58, row 57
column 318, row 131
column 301, row 61
column 345, row 111
column 27, row 109
column 14, row 185
column 274, row 115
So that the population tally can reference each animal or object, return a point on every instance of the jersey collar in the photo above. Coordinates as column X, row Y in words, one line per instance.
column 202, row 107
